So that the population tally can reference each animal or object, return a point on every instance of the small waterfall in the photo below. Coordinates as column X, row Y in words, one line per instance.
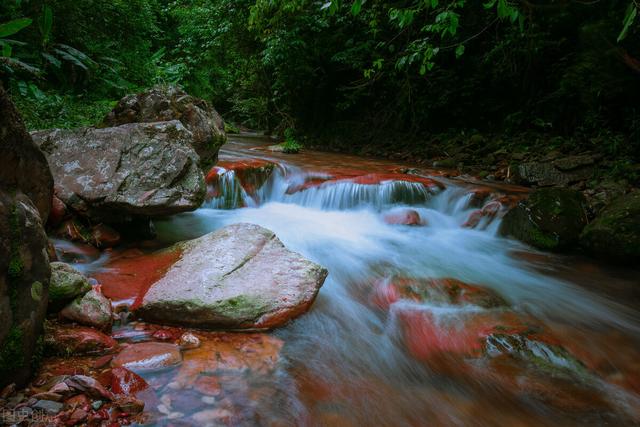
column 225, row 191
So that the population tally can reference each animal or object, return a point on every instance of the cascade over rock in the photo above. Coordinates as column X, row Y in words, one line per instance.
column 139, row 169
column 238, row 277
column 26, row 190
column 171, row 103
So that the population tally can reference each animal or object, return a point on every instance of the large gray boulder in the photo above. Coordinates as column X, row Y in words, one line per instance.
column 239, row 277
column 26, row 189
column 172, row 103
column 139, row 169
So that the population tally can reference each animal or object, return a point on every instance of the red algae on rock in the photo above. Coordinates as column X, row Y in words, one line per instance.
column 128, row 277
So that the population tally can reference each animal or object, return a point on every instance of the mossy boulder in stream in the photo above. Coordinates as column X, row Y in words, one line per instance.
column 615, row 233
column 66, row 284
column 550, row 219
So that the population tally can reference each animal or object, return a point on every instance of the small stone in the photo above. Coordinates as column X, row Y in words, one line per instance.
column 130, row 405
column 189, row 341
column 175, row 415
column 148, row 356
column 209, row 400
column 97, row 404
column 48, row 406
column 163, row 409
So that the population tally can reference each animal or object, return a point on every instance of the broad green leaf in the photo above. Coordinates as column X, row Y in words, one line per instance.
column 14, row 26
column 356, row 7
column 47, row 24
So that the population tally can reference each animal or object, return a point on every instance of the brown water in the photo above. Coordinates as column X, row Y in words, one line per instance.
column 432, row 325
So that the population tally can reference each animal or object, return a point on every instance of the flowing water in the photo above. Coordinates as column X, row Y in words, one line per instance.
column 550, row 341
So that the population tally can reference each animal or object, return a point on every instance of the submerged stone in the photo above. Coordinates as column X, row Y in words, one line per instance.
column 148, row 356
column 238, row 277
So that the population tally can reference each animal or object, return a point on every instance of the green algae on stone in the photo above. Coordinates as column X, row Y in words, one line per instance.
column 66, row 284
column 615, row 233
column 550, row 219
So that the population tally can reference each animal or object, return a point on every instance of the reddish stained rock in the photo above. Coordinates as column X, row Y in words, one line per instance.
column 163, row 335
column 58, row 212
column 464, row 334
column 403, row 217
column 124, row 381
column 443, row 290
column 226, row 356
column 67, row 340
column 489, row 210
column 129, row 276
column 148, row 356
column 77, row 401
column 206, row 287
column 364, row 178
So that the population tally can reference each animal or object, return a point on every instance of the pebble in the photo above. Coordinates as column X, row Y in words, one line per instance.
column 209, row 400
column 189, row 341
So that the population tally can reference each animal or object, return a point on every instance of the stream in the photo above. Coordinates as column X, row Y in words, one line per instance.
column 438, row 323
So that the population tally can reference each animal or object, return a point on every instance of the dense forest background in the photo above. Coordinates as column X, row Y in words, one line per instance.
column 343, row 74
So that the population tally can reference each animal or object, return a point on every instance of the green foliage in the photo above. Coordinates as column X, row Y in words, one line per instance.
column 290, row 144
column 11, row 353
column 377, row 71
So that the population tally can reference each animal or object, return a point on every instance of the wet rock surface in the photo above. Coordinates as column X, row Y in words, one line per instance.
column 91, row 309
column 550, row 219
column 149, row 356
column 615, row 233
column 111, row 174
column 207, row 287
column 26, row 190
column 67, row 283
column 171, row 103
column 76, row 340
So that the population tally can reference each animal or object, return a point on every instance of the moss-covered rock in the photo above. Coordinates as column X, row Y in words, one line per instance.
column 67, row 283
column 90, row 309
column 550, row 219
column 615, row 233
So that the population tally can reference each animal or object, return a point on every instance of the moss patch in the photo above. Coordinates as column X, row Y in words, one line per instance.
column 12, row 354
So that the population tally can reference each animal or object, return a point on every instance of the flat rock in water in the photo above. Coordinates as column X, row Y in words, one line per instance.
column 146, row 169
column 148, row 356
column 239, row 277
